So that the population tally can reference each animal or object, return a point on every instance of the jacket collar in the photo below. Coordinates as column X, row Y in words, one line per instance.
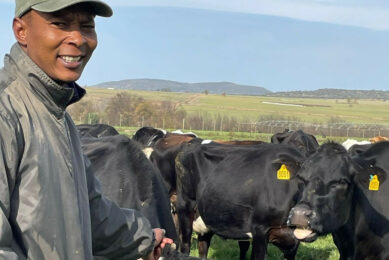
column 56, row 97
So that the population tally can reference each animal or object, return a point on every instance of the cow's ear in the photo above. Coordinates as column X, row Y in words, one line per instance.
column 278, row 138
column 365, row 176
column 292, row 163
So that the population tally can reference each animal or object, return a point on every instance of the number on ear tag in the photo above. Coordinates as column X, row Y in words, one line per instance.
column 374, row 183
column 283, row 173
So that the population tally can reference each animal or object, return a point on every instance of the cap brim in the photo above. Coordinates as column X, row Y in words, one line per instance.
column 100, row 8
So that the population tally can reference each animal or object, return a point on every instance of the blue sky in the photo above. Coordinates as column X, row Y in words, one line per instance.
column 277, row 44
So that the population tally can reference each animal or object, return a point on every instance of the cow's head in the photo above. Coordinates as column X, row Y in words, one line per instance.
column 327, row 178
column 306, row 143
column 330, row 177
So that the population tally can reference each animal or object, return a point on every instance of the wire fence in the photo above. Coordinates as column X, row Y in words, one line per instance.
column 270, row 126
column 325, row 130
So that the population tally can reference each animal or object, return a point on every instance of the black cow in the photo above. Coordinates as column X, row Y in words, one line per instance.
column 129, row 179
column 339, row 197
column 306, row 143
column 237, row 193
column 147, row 136
column 163, row 156
column 96, row 130
column 358, row 149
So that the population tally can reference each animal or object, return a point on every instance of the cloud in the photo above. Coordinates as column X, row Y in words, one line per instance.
column 367, row 14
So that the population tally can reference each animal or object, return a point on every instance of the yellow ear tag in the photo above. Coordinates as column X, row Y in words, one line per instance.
column 374, row 183
column 283, row 173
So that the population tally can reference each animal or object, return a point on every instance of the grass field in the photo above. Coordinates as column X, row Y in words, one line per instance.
column 248, row 108
column 321, row 249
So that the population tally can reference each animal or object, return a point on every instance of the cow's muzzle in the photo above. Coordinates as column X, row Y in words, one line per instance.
column 299, row 221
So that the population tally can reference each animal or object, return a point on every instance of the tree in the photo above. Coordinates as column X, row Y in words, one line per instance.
column 144, row 110
column 121, row 108
column 80, row 110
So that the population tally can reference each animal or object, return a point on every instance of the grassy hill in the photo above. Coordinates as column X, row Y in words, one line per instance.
column 175, row 86
column 253, row 108
column 335, row 94
column 238, row 89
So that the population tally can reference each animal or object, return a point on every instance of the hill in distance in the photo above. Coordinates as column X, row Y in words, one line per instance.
column 175, row 86
column 335, row 94
column 236, row 89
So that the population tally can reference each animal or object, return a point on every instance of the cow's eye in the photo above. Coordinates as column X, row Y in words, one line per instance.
column 343, row 182
column 338, row 184
column 301, row 180
column 333, row 184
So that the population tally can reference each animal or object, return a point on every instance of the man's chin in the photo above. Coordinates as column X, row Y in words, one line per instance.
column 66, row 78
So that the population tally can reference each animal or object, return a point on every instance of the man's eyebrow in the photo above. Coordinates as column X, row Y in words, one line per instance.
column 59, row 15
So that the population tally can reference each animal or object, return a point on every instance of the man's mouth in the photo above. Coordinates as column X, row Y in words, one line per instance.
column 71, row 59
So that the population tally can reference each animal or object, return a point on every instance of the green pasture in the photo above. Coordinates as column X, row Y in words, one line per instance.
column 248, row 108
column 221, row 249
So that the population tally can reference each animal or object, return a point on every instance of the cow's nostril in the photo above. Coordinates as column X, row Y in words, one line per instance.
column 308, row 213
column 299, row 217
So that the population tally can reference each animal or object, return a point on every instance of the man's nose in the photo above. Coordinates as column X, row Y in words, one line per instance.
column 76, row 37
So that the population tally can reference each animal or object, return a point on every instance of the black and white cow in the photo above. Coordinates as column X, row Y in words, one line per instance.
column 96, row 130
column 147, row 136
column 306, row 143
column 163, row 157
column 348, row 197
column 238, row 194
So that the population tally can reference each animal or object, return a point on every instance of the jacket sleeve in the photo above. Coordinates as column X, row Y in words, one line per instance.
column 116, row 233
column 9, row 154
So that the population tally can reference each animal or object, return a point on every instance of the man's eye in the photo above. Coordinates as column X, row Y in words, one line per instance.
column 59, row 24
column 89, row 26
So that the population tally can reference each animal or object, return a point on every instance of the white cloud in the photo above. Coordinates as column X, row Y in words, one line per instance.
column 368, row 14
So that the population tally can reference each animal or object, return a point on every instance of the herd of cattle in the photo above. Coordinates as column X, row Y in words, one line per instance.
column 288, row 190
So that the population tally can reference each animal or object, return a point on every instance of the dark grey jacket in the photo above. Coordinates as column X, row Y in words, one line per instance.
column 51, row 206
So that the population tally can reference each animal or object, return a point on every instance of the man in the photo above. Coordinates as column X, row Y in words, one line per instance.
column 51, row 206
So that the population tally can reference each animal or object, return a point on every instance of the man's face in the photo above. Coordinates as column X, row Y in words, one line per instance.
column 60, row 43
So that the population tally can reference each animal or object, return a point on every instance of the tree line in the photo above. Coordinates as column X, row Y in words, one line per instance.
column 126, row 109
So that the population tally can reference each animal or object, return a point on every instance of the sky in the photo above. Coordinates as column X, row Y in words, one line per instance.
column 281, row 45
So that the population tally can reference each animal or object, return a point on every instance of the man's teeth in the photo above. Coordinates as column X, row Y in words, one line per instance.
column 70, row 59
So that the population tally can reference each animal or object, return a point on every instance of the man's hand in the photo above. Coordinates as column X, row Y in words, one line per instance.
column 160, row 242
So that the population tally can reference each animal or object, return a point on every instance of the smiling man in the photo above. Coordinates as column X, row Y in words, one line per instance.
column 51, row 206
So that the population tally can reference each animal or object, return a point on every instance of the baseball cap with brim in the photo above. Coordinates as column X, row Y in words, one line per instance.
column 48, row 6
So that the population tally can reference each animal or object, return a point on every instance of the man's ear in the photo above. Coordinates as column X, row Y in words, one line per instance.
column 19, row 27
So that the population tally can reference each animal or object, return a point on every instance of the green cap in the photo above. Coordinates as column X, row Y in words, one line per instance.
column 49, row 6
